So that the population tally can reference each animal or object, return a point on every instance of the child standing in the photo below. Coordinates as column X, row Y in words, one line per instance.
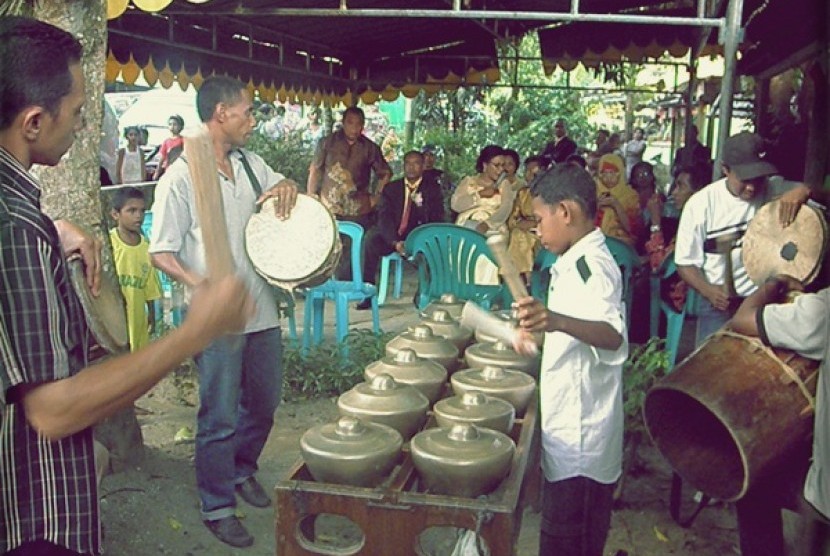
column 130, row 165
column 172, row 146
column 139, row 280
column 581, row 375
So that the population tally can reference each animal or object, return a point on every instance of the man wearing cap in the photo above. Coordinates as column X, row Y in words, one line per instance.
column 713, row 223
column 560, row 148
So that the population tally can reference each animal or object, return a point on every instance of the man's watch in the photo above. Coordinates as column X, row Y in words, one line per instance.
column 655, row 228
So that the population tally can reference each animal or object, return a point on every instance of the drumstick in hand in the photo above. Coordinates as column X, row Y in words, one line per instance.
column 201, row 163
column 507, row 268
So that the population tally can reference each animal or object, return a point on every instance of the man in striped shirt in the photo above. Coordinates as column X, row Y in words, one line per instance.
column 52, row 395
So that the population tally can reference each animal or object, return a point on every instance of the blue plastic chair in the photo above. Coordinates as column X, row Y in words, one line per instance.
column 628, row 261
column 342, row 292
column 674, row 319
column 540, row 276
column 396, row 259
column 446, row 257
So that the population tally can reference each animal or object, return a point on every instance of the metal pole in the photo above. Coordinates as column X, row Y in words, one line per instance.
column 731, row 36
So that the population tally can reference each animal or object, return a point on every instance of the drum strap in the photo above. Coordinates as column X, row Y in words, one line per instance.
column 251, row 176
column 791, row 374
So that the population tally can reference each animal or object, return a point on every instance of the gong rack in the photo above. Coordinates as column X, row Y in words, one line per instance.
column 392, row 515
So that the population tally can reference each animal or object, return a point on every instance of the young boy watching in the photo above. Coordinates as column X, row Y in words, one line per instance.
column 581, row 374
column 137, row 277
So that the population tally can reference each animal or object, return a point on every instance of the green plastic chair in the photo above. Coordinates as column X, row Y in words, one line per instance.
column 446, row 257
column 540, row 275
column 628, row 261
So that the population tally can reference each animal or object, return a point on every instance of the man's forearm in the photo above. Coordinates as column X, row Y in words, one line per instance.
column 313, row 180
column 170, row 264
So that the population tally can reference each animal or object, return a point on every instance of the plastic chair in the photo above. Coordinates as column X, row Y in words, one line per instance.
column 628, row 261
column 396, row 259
column 286, row 305
column 342, row 292
column 446, row 256
column 540, row 276
column 674, row 319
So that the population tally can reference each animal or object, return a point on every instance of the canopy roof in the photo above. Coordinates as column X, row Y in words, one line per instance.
column 314, row 51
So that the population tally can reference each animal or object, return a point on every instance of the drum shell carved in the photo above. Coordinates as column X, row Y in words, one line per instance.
column 728, row 412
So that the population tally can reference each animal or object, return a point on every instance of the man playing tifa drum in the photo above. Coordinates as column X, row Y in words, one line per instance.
column 239, row 376
column 708, row 246
column 802, row 326
column 51, row 396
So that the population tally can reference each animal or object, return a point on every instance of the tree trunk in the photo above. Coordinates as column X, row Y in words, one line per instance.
column 72, row 189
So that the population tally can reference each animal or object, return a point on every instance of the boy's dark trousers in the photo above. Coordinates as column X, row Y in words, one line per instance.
column 576, row 517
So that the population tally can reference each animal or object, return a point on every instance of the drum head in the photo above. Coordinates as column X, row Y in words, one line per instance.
column 105, row 314
column 770, row 249
column 296, row 250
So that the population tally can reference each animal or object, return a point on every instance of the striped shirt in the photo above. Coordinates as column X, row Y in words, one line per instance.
column 47, row 488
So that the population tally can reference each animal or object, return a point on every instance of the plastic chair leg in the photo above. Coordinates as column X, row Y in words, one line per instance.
column 376, row 314
column 342, row 317
column 654, row 305
column 674, row 327
column 383, row 285
column 396, row 293
column 292, row 324
column 308, row 329
column 318, row 307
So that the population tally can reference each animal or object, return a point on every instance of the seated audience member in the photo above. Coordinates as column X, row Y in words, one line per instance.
column 661, row 240
column 618, row 207
column 524, row 243
column 484, row 201
column 404, row 205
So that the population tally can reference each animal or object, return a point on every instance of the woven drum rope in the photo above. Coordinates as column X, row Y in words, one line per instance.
column 791, row 374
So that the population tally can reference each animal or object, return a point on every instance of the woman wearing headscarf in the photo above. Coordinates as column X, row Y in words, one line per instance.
column 618, row 205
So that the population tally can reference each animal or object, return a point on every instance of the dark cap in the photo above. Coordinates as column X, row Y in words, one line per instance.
column 429, row 149
column 744, row 153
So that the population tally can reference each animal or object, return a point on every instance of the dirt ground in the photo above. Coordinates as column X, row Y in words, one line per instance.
column 153, row 509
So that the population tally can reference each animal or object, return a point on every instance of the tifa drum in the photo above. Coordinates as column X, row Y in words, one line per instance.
column 302, row 250
column 730, row 411
column 797, row 250
column 106, row 313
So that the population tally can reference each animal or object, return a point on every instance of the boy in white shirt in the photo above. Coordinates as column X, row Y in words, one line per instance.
column 581, row 378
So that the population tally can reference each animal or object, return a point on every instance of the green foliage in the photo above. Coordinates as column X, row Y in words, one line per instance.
column 645, row 365
column 324, row 370
column 289, row 156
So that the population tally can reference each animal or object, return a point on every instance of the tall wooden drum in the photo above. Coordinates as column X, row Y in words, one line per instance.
column 730, row 411
column 302, row 250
